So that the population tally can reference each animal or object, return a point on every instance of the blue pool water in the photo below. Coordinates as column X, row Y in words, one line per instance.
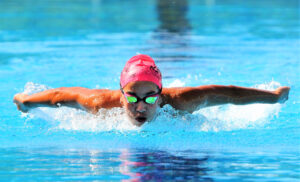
column 49, row 44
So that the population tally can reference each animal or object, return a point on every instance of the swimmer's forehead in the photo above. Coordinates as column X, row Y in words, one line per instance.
column 141, row 88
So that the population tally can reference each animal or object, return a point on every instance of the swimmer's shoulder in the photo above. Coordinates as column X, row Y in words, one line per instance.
column 178, row 97
column 105, row 98
column 175, row 91
column 106, row 92
column 91, row 92
column 170, row 95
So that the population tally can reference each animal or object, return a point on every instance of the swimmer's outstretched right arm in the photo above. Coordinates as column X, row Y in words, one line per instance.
column 88, row 99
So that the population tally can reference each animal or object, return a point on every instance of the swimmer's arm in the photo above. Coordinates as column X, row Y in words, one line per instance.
column 77, row 97
column 194, row 98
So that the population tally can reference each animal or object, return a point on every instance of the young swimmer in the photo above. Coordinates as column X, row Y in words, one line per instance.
column 141, row 93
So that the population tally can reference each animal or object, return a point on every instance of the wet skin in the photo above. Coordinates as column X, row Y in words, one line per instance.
column 140, row 112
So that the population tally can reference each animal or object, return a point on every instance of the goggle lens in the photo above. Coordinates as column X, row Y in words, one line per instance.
column 150, row 100
column 131, row 99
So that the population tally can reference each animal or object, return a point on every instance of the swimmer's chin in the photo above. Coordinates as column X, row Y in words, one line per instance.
column 139, row 121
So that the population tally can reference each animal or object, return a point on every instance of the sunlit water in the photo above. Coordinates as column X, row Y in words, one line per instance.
column 49, row 44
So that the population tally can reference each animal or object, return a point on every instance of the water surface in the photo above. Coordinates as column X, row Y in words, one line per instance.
column 49, row 44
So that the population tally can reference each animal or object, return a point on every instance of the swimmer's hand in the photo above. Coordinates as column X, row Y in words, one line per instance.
column 19, row 100
column 282, row 93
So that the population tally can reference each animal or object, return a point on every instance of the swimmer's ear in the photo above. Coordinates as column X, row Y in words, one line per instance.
column 122, row 100
column 159, row 101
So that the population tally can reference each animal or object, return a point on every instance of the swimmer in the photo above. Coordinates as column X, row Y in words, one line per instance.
column 141, row 93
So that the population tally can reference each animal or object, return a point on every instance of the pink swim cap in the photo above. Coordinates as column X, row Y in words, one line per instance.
column 140, row 68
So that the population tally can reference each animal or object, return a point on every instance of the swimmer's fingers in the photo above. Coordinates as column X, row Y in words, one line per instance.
column 19, row 101
column 21, row 106
column 283, row 94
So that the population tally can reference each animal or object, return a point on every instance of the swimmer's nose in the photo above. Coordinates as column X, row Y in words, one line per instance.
column 141, row 107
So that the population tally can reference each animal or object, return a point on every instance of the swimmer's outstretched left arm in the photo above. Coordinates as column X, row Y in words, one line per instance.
column 194, row 98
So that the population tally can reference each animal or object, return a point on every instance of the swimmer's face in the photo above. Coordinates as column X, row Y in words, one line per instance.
column 140, row 112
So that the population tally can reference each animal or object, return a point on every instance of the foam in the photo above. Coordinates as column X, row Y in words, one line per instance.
column 218, row 118
column 31, row 88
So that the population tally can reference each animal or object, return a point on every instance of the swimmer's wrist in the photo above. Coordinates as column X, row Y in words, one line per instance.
column 25, row 99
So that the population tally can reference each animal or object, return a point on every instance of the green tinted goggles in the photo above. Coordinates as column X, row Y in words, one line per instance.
column 135, row 99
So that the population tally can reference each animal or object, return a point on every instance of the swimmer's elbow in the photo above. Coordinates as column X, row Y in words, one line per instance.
column 56, row 97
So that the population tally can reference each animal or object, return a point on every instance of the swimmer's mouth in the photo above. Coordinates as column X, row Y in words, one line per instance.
column 141, row 119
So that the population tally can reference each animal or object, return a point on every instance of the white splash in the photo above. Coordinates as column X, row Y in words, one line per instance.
column 66, row 118
column 233, row 117
column 31, row 88
column 218, row 118
column 176, row 83
column 74, row 119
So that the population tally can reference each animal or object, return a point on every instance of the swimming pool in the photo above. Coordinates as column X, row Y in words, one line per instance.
column 49, row 44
